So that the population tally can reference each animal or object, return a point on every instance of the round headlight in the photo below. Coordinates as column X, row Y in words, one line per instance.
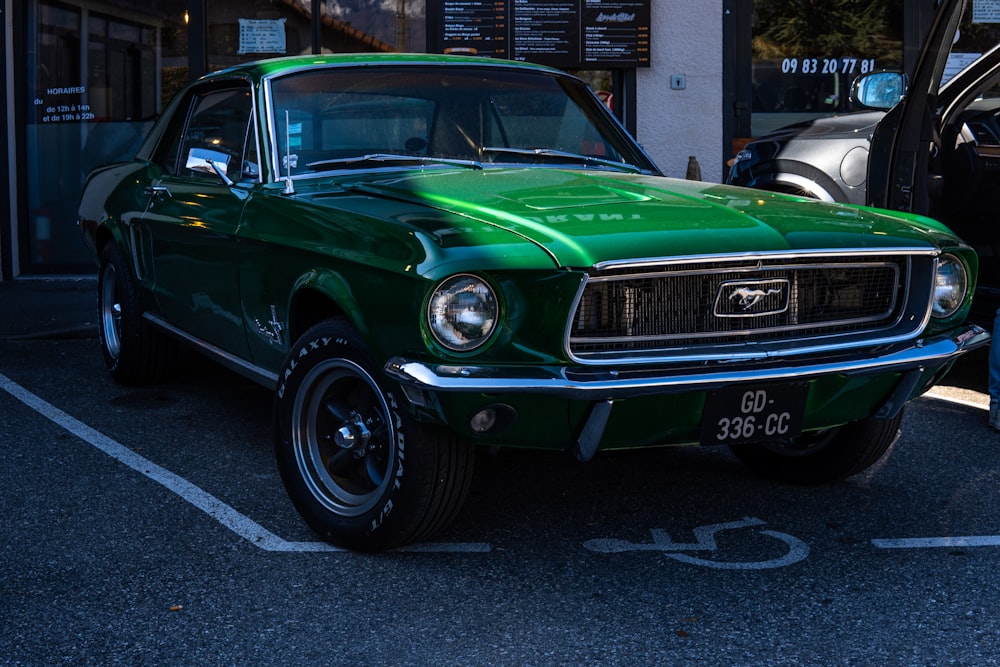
column 950, row 284
column 462, row 313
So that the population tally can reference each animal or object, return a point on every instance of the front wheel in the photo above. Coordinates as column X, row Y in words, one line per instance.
column 359, row 469
column 825, row 456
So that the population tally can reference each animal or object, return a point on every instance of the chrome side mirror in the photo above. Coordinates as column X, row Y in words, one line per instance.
column 207, row 161
column 878, row 90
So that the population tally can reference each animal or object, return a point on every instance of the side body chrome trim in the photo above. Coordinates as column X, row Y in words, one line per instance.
column 236, row 364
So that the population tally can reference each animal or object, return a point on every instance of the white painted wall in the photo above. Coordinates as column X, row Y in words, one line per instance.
column 671, row 125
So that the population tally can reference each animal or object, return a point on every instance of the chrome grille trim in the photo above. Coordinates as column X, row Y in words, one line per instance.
column 669, row 308
column 677, row 260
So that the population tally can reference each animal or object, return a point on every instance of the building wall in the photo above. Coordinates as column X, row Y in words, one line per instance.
column 675, row 124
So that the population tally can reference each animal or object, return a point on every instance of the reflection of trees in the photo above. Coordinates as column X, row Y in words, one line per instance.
column 399, row 22
column 828, row 28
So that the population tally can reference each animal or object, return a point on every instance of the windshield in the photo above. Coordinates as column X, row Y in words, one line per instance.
column 337, row 118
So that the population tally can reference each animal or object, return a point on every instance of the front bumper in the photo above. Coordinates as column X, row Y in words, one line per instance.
column 601, row 383
column 639, row 406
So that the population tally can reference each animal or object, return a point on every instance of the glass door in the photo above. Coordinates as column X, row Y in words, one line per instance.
column 97, row 75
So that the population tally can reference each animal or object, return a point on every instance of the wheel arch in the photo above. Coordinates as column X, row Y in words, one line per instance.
column 323, row 295
column 102, row 236
column 105, row 235
column 792, row 177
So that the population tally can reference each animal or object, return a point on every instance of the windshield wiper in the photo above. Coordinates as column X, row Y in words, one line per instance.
column 383, row 158
column 553, row 155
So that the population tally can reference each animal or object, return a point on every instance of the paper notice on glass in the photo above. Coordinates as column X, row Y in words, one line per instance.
column 956, row 63
column 986, row 11
column 262, row 36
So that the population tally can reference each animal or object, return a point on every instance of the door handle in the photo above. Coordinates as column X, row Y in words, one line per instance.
column 157, row 191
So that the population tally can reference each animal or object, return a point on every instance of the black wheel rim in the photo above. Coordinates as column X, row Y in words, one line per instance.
column 343, row 438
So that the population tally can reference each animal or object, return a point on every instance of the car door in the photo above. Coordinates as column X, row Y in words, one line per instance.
column 938, row 151
column 194, row 212
column 899, row 177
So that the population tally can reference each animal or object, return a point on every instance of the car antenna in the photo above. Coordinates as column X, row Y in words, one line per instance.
column 289, row 187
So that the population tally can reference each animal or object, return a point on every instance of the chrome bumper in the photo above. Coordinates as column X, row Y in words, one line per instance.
column 602, row 382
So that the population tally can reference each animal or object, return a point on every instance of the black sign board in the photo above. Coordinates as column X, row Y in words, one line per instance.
column 569, row 34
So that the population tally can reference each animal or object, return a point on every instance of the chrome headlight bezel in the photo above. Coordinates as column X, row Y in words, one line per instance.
column 463, row 312
column 951, row 285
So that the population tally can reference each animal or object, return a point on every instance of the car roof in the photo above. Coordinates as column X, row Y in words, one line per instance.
column 271, row 67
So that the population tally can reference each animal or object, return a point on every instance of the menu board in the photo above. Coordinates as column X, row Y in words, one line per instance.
column 570, row 34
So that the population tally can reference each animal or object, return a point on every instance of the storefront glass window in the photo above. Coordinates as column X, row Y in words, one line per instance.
column 97, row 75
column 240, row 31
column 805, row 55
column 99, row 71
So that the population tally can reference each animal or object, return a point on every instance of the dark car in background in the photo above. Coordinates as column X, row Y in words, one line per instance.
column 825, row 158
column 934, row 150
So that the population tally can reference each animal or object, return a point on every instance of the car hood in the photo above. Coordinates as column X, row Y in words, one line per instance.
column 582, row 218
column 834, row 127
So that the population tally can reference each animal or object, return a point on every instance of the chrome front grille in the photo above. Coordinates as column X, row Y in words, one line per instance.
column 676, row 304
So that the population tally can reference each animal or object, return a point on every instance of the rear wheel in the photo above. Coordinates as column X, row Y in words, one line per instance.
column 134, row 352
column 360, row 470
column 825, row 456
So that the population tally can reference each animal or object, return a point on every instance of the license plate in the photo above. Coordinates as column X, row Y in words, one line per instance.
column 742, row 414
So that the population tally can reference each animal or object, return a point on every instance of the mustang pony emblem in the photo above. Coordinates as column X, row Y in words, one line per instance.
column 752, row 298
column 748, row 298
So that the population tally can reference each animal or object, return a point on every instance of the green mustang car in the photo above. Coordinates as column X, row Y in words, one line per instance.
column 422, row 254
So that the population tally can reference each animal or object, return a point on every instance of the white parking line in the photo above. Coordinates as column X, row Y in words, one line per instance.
column 981, row 403
column 939, row 542
column 242, row 525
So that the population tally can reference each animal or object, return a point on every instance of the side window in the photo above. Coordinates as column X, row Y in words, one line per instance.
column 217, row 121
column 218, row 125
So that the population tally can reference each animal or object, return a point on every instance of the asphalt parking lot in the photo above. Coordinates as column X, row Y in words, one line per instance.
column 149, row 526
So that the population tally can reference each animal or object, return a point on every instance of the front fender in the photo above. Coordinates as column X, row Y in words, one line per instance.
column 321, row 294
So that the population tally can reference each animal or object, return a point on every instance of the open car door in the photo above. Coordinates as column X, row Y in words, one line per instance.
column 904, row 142
column 937, row 152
